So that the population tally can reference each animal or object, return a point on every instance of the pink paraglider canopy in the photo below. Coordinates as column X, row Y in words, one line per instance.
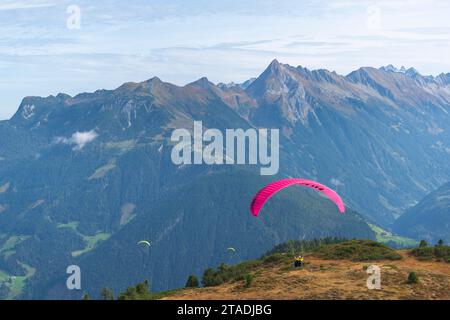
column 265, row 193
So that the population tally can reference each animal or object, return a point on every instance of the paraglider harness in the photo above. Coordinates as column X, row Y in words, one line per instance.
column 298, row 262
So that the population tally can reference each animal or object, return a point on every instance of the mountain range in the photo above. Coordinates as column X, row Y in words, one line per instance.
column 84, row 178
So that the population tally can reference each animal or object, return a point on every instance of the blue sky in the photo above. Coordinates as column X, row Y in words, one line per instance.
column 227, row 40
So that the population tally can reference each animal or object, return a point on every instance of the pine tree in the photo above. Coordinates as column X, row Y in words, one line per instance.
column 86, row 296
column 142, row 289
column 423, row 244
column 129, row 294
column 107, row 294
column 192, row 282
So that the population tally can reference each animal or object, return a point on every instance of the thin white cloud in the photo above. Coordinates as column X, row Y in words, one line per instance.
column 336, row 182
column 17, row 5
column 78, row 140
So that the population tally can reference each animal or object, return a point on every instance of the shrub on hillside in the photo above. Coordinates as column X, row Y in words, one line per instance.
column 140, row 292
column 294, row 247
column 357, row 250
column 439, row 253
column 413, row 278
column 226, row 273
column 248, row 280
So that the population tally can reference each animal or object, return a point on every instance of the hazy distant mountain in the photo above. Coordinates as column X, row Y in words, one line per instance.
column 429, row 219
column 83, row 178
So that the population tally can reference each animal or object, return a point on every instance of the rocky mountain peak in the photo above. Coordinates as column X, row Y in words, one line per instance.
column 203, row 82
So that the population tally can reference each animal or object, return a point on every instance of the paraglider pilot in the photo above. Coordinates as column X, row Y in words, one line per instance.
column 299, row 261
